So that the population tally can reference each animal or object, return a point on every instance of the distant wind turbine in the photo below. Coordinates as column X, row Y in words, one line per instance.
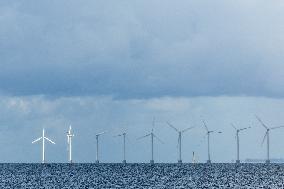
column 180, row 132
column 208, row 132
column 43, row 138
column 124, row 136
column 97, row 141
column 69, row 141
column 152, row 135
column 267, row 136
column 238, row 141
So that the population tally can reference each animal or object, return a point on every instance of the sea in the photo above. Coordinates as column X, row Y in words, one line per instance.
column 138, row 175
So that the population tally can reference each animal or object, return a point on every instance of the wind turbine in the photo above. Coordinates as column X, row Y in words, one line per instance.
column 180, row 132
column 208, row 132
column 43, row 138
column 124, row 136
column 69, row 141
column 152, row 135
column 97, row 140
column 238, row 141
column 267, row 136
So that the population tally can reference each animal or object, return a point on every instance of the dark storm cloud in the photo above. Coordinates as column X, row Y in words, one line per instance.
column 141, row 49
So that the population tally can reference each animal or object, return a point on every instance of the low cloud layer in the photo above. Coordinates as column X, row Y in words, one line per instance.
column 142, row 49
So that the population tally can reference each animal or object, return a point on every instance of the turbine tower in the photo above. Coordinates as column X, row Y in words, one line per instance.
column 69, row 141
column 194, row 160
column 43, row 138
column 124, row 136
column 238, row 141
column 267, row 136
column 208, row 132
column 97, row 140
column 180, row 132
column 152, row 136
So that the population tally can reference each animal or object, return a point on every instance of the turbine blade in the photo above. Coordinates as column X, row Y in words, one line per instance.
column 117, row 135
column 244, row 128
column 36, row 140
column 264, row 138
column 261, row 122
column 144, row 136
column 158, row 139
column 153, row 124
column 170, row 125
column 126, row 137
column 203, row 138
column 101, row 133
column 277, row 127
column 49, row 140
column 233, row 126
column 187, row 129
column 205, row 125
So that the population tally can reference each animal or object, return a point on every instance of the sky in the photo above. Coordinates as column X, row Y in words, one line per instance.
column 114, row 66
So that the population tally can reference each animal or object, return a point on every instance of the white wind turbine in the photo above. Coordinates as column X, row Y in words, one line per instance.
column 124, row 137
column 69, row 141
column 152, row 135
column 43, row 138
column 97, row 141
column 238, row 141
column 267, row 136
column 180, row 132
column 208, row 132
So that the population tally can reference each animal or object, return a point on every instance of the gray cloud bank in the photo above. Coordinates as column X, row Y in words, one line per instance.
column 142, row 49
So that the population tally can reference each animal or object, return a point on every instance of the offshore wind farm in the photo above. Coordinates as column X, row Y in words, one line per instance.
column 153, row 136
column 124, row 175
column 141, row 94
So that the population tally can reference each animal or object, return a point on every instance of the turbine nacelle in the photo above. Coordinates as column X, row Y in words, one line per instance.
column 69, row 133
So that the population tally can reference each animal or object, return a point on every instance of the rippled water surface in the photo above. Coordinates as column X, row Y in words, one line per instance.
column 141, row 176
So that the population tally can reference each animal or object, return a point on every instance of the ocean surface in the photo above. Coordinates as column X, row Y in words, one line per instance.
column 141, row 176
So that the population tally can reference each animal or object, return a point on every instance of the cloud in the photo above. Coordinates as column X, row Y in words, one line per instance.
column 137, row 49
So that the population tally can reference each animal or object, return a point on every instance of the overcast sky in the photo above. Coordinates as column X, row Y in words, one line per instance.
column 114, row 65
